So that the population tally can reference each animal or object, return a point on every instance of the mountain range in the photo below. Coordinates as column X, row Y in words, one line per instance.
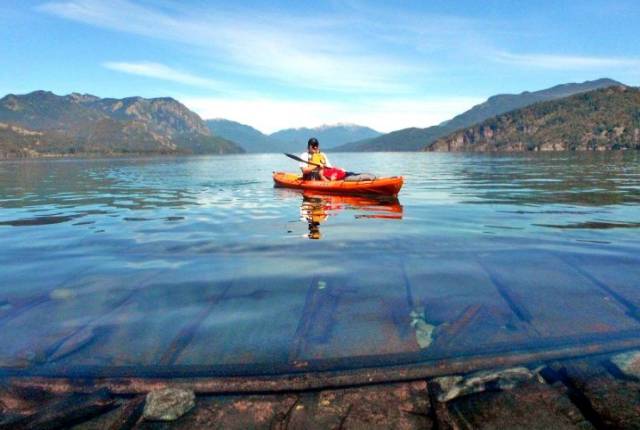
column 597, row 120
column 290, row 139
column 44, row 124
column 414, row 139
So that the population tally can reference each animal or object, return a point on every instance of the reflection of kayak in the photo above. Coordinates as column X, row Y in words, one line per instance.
column 381, row 186
column 318, row 206
column 379, row 206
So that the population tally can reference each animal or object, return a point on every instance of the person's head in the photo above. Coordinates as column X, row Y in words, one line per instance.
column 313, row 145
column 314, row 230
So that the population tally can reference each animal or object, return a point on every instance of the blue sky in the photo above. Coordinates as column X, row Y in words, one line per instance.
column 273, row 65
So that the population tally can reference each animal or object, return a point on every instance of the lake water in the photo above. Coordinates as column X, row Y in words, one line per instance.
column 200, row 266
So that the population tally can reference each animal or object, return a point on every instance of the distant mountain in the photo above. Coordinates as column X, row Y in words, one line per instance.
column 288, row 140
column 44, row 124
column 250, row 139
column 603, row 119
column 330, row 136
column 413, row 139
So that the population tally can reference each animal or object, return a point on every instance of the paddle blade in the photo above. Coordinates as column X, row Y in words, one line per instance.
column 295, row 157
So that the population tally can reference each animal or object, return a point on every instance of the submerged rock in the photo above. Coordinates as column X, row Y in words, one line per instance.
column 424, row 330
column 168, row 404
column 628, row 363
column 451, row 387
column 62, row 294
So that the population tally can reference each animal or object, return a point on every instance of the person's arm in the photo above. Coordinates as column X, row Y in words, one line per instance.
column 306, row 168
column 327, row 160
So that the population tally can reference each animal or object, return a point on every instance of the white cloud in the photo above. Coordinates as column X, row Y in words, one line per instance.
column 269, row 115
column 563, row 62
column 298, row 51
column 160, row 71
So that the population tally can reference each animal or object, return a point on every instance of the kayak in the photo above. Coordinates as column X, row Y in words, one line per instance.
column 380, row 186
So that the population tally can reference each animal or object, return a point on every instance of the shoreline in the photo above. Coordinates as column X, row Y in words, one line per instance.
column 591, row 391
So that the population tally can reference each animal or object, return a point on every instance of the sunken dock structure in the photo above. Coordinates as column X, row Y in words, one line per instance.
column 479, row 343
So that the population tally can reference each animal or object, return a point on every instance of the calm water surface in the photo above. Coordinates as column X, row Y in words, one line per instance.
column 200, row 265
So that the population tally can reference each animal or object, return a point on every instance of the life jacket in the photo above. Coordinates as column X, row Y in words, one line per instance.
column 318, row 158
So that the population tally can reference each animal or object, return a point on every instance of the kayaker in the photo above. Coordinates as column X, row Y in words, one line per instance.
column 313, row 154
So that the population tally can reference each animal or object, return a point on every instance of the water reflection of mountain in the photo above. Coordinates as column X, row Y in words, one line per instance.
column 317, row 208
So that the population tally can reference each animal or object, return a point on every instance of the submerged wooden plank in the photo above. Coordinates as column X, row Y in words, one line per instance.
column 186, row 335
column 140, row 331
column 69, row 318
column 252, row 324
column 313, row 305
column 616, row 276
column 560, row 301
column 33, row 287
column 37, row 335
column 460, row 299
column 13, row 308
column 356, row 316
column 75, row 381
column 32, row 278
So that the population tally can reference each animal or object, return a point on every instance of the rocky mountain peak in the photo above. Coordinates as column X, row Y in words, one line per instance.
column 82, row 98
column 598, row 120
column 78, row 123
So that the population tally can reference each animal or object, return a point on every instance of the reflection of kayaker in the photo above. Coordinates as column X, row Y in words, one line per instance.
column 316, row 208
column 313, row 211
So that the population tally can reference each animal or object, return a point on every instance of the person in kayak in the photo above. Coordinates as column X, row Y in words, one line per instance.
column 313, row 155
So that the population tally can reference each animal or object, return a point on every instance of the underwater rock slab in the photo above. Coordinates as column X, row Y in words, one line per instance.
column 65, row 411
column 531, row 406
column 400, row 406
column 609, row 401
column 233, row 412
column 396, row 405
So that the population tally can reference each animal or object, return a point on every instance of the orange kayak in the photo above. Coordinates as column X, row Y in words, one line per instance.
column 381, row 186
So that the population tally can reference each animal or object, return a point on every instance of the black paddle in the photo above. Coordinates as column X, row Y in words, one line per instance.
column 300, row 159
column 314, row 164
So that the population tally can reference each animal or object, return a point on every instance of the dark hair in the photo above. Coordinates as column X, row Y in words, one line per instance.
column 313, row 142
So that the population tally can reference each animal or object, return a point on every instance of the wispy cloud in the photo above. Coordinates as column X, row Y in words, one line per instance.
column 381, row 65
column 564, row 62
column 298, row 51
column 160, row 71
